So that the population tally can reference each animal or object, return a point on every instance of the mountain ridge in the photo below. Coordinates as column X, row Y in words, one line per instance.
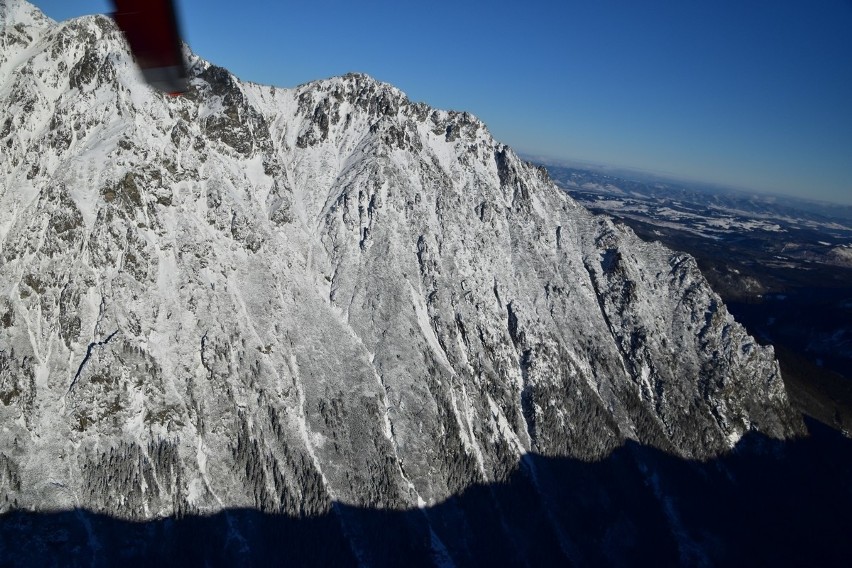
column 288, row 299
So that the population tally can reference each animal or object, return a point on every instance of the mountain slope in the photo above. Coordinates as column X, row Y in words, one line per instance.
column 287, row 299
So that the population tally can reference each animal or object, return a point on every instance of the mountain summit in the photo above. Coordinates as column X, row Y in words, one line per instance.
column 299, row 300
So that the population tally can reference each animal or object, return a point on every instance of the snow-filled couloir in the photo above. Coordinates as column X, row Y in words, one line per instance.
column 283, row 299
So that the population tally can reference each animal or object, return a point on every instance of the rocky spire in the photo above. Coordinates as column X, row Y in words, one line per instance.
column 22, row 13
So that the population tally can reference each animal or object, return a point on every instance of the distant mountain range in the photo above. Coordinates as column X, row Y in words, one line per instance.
column 651, row 185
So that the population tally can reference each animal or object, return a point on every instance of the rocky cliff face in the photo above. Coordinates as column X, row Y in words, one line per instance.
column 287, row 299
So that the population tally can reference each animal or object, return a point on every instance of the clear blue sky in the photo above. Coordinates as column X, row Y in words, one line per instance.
column 750, row 93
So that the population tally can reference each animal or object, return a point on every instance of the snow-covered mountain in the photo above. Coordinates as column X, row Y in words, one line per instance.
column 290, row 299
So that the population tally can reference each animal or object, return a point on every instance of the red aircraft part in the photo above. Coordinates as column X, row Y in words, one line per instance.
column 152, row 32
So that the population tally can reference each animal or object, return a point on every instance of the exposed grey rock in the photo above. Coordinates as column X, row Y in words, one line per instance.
column 283, row 299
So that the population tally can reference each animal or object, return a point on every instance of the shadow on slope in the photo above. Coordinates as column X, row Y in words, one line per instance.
column 766, row 503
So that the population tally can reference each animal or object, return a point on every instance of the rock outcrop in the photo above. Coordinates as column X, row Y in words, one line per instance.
column 283, row 299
